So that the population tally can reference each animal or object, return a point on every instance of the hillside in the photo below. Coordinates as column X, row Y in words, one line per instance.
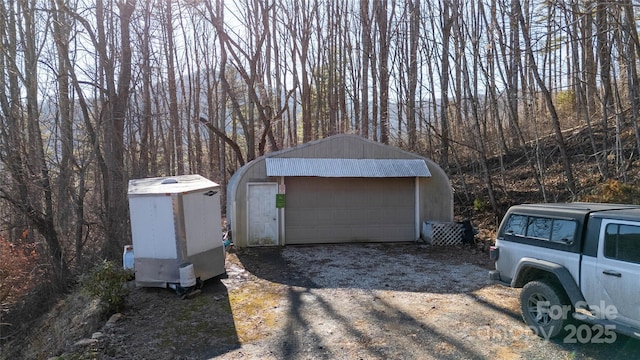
column 514, row 181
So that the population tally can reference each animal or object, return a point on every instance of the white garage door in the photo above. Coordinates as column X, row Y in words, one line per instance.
column 337, row 210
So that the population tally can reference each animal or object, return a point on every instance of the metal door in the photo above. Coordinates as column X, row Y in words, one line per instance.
column 262, row 214
column 342, row 210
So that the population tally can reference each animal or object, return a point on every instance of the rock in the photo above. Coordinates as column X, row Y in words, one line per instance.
column 97, row 335
column 114, row 319
column 85, row 342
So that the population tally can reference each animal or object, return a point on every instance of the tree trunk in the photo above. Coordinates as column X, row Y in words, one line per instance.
column 174, row 116
column 633, row 48
column 384, row 34
column 414, row 35
column 447, row 22
column 366, row 54
column 604, row 55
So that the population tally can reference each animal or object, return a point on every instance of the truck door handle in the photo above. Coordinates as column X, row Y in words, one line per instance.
column 612, row 273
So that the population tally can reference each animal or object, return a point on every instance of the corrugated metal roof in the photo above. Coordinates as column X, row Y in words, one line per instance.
column 380, row 168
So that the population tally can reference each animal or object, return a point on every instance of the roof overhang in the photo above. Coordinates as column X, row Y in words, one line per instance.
column 339, row 168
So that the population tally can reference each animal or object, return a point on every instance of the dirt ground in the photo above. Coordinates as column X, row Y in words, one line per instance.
column 358, row 301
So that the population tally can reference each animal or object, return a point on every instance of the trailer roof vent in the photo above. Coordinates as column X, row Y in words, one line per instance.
column 169, row 181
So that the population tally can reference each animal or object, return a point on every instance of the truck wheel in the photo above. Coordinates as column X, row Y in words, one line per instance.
column 544, row 308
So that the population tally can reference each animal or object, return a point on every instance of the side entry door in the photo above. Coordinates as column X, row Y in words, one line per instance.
column 262, row 214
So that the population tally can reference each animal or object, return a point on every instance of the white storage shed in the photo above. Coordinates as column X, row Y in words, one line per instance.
column 175, row 220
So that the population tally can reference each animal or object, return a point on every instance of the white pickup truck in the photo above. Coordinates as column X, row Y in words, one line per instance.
column 573, row 261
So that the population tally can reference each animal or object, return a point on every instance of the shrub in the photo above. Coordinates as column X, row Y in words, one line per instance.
column 107, row 282
column 565, row 101
column 566, row 98
column 479, row 205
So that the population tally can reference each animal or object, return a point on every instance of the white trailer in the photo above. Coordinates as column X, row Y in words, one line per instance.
column 174, row 221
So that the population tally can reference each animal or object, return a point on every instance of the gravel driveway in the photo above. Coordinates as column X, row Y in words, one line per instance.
column 359, row 301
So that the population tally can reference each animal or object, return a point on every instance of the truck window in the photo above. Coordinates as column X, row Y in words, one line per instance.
column 622, row 242
column 541, row 228
column 563, row 231
column 516, row 225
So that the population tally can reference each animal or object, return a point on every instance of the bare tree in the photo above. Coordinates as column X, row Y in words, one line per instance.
column 448, row 18
column 366, row 55
column 414, row 35
column 146, row 136
column 115, row 78
column 258, row 96
column 583, row 106
column 632, row 52
column 383, row 24
column 604, row 57
column 22, row 153
column 174, row 115
column 549, row 102
column 509, row 69
column 302, row 31
column 471, row 93
column 216, row 17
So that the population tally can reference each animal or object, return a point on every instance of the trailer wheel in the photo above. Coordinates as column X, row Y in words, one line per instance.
column 544, row 308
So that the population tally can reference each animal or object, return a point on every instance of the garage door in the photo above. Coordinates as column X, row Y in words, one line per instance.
column 338, row 210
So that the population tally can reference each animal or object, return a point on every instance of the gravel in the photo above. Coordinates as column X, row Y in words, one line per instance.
column 357, row 301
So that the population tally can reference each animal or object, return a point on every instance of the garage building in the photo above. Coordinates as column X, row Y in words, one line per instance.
column 340, row 189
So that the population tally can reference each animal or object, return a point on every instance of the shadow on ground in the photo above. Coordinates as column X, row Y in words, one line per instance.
column 399, row 267
column 354, row 301
column 169, row 327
